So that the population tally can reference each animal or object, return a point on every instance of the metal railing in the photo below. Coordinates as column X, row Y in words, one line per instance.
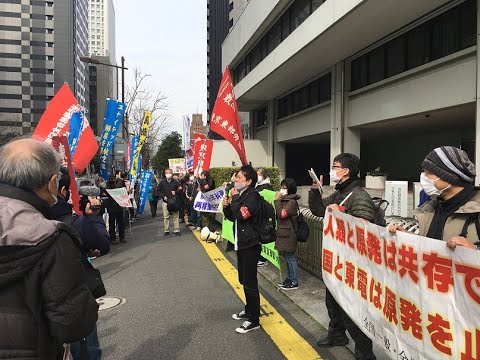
column 309, row 254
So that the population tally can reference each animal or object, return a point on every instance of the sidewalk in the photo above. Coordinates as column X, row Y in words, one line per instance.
column 310, row 296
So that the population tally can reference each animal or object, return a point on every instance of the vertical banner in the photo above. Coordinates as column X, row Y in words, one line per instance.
column 133, row 146
column 186, row 140
column 112, row 123
column 127, row 155
column 225, row 120
column 203, row 156
column 145, row 181
column 76, row 123
column 55, row 121
column 60, row 144
column 142, row 139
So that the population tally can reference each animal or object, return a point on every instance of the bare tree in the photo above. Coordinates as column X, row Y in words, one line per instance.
column 139, row 100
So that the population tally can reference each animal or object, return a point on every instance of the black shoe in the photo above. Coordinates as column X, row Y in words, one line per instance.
column 178, row 233
column 289, row 286
column 328, row 342
column 284, row 283
column 247, row 326
column 166, row 233
column 241, row 316
column 123, row 240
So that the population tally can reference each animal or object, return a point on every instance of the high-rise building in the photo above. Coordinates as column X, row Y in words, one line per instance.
column 236, row 8
column 101, row 29
column 197, row 125
column 71, row 42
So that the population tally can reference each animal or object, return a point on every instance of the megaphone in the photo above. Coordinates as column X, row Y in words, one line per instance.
column 209, row 237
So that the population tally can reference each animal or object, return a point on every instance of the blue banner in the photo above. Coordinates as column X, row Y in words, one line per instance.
column 135, row 141
column 112, row 123
column 76, row 122
column 145, row 180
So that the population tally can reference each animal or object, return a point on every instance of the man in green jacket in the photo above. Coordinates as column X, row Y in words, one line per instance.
column 352, row 199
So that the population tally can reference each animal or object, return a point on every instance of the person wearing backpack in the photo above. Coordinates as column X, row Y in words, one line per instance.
column 344, row 174
column 286, row 207
column 243, row 208
column 153, row 198
column 170, row 190
column 452, row 214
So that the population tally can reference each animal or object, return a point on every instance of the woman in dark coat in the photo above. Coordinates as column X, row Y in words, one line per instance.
column 286, row 207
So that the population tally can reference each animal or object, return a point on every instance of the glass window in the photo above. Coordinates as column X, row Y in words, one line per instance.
column 376, row 65
column 359, row 72
column 299, row 11
column 285, row 25
column 468, row 24
column 316, row 4
column 256, row 55
column 263, row 48
column 325, row 88
column 314, row 93
column 418, row 46
column 445, row 34
column 274, row 36
column 300, row 99
column 396, row 55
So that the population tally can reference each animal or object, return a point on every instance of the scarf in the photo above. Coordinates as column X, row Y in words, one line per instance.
column 447, row 208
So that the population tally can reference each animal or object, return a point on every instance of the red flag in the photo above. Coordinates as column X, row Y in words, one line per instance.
column 203, row 155
column 196, row 138
column 60, row 144
column 225, row 120
column 55, row 121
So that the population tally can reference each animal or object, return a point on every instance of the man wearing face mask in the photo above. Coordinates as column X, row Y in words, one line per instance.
column 170, row 189
column 452, row 215
column 44, row 298
column 344, row 174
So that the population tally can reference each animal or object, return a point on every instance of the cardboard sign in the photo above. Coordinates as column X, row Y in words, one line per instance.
column 120, row 196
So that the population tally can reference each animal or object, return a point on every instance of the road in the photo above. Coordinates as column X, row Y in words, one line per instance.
column 178, row 305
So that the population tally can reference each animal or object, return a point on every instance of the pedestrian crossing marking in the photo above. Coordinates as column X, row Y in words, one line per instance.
column 288, row 341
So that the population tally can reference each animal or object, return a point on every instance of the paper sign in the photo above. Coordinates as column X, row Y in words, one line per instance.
column 396, row 193
column 120, row 196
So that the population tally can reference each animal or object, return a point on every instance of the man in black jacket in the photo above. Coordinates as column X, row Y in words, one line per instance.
column 207, row 183
column 170, row 190
column 116, row 214
column 344, row 174
column 244, row 209
column 44, row 300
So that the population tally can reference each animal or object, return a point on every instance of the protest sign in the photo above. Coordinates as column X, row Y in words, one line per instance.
column 177, row 166
column 396, row 193
column 268, row 250
column 145, row 180
column 411, row 295
column 120, row 196
column 209, row 201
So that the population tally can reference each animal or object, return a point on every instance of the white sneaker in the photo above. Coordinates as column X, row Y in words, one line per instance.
column 240, row 316
column 246, row 327
column 199, row 228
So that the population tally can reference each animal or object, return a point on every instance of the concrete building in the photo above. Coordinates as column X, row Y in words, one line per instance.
column 197, row 125
column 101, row 29
column 236, row 8
column 322, row 77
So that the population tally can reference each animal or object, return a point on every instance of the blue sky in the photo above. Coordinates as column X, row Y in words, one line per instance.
column 168, row 40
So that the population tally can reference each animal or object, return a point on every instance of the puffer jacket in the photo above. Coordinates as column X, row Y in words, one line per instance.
column 44, row 300
column 454, row 225
column 287, row 223
column 359, row 204
column 264, row 185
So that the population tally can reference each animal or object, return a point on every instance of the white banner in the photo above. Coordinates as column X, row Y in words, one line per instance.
column 210, row 201
column 177, row 166
column 120, row 196
column 186, row 132
column 411, row 295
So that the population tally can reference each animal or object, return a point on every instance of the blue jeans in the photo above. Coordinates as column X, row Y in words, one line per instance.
column 94, row 351
column 292, row 267
column 194, row 217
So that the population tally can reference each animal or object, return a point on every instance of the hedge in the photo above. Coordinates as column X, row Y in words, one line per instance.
column 222, row 174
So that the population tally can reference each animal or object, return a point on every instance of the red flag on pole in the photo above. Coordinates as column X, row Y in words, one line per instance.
column 203, row 155
column 225, row 120
column 60, row 144
column 196, row 138
column 55, row 121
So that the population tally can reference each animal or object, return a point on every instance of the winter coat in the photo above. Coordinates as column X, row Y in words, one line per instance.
column 360, row 204
column 264, row 185
column 244, row 212
column 166, row 187
column 44, row 300
column 287, row 216
column 152, row 188
column 454, row 225
column 110, row 204
column 207, row 184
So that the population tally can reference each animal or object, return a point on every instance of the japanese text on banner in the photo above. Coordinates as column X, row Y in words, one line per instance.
column 411, row 295
column 209, row 201
column 142, row 139
column 145, row 181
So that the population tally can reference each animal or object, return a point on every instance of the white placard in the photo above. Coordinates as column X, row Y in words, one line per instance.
column 396, row 193
column 120, row 196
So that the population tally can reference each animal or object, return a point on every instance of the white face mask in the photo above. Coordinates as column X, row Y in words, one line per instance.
column 283, row 192
column 168, row 176
column 429, row 187
column 333, row 177
column 260, row 178
column 192, row 178
column 240, row 186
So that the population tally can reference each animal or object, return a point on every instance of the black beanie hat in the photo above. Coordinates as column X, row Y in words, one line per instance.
column 451, row 165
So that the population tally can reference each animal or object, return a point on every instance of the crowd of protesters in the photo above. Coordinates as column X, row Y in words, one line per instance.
column 45, row 245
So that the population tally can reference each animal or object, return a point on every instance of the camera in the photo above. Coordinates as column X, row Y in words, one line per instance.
column 85, row 192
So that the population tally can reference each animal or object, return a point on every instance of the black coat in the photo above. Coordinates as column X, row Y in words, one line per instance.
column 247, row 203
column 207, row 184
column 110, row 204
column 44, row 300
column 166, row 187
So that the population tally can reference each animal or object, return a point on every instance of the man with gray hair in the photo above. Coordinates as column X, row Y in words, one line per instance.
column 44, row 300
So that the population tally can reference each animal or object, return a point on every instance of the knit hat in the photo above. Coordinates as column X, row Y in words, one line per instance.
column 451, row 165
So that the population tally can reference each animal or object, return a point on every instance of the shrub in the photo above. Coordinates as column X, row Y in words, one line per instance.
column 222, row 174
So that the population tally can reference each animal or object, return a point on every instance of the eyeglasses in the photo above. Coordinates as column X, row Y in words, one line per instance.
column 337, row 168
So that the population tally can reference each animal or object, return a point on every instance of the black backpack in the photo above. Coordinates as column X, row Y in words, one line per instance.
column 173, row 204
column 267, row 232
column 380, row 206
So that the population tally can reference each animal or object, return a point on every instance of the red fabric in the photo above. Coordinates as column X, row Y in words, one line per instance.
column 225, row 120
column 283, row 214
column 203, row 155
column 60, row 144
column 55, row 121
column 245, row 213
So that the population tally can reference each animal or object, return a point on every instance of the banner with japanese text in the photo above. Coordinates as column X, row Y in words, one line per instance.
column 112, row 123
column 76, row 123
column 209, row 201
column 225, row 120
column 60, row 144
column 142, row 139
column 120, row 196
column 177, row 165
column 55, row 121
column 203, row 156
column 145, row 181
column 268, row 250
column 411, row 295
